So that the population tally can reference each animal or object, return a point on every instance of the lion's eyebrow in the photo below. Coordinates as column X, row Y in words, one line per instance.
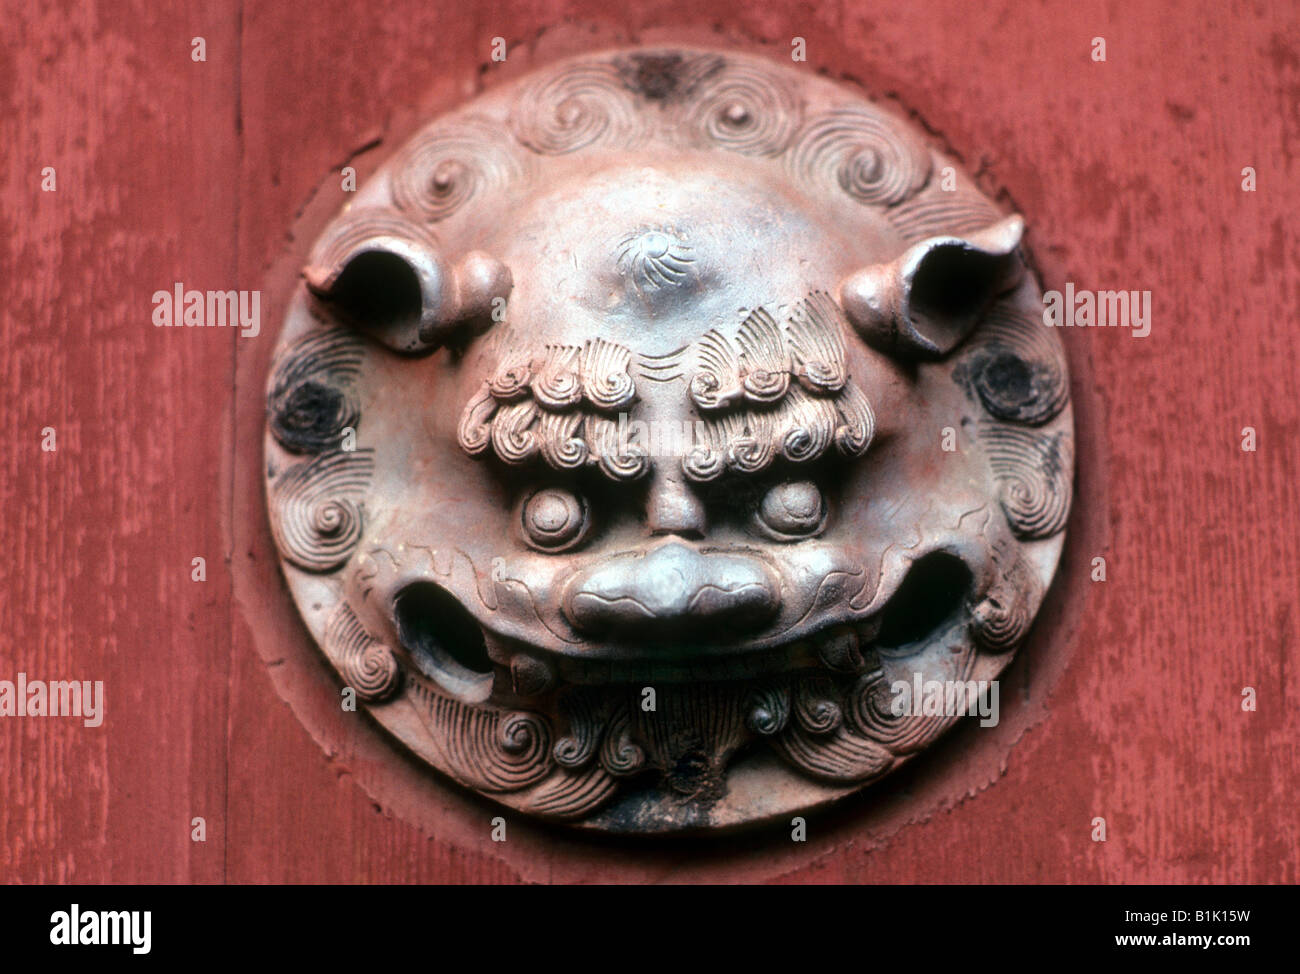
column 778, row 389
column 798, row 428
column 758, row 365
column 558, row 404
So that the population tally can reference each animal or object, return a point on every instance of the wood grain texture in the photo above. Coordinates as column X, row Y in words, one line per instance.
column 1129, row 175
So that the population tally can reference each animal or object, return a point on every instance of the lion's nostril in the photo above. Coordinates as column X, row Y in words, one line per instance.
column 673, row 590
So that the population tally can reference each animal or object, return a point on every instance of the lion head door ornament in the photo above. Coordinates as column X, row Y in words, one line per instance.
column 641, row 425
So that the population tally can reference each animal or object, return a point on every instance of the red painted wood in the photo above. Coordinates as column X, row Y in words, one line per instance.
column 1129, row 175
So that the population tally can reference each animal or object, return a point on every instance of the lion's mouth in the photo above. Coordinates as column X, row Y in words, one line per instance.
column 446, row 644
column 443, row 640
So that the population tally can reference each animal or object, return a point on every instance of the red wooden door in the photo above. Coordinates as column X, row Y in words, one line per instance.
column 169, row 169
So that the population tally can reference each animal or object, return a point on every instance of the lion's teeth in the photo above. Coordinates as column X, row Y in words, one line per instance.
column 838, row 648
column 531, row 676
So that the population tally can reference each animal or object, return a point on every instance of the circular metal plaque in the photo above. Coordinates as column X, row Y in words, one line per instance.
column 669, row 440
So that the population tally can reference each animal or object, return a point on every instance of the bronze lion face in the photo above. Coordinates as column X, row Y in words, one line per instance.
column 643, row 427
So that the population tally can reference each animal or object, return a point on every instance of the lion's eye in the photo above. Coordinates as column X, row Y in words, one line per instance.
column 554, row 519
column 792, row 510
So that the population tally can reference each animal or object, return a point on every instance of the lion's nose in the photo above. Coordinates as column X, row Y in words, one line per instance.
column 672, row 590
column 673, row 508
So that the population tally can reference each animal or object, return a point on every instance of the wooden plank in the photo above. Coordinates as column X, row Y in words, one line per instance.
column 101, row 532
